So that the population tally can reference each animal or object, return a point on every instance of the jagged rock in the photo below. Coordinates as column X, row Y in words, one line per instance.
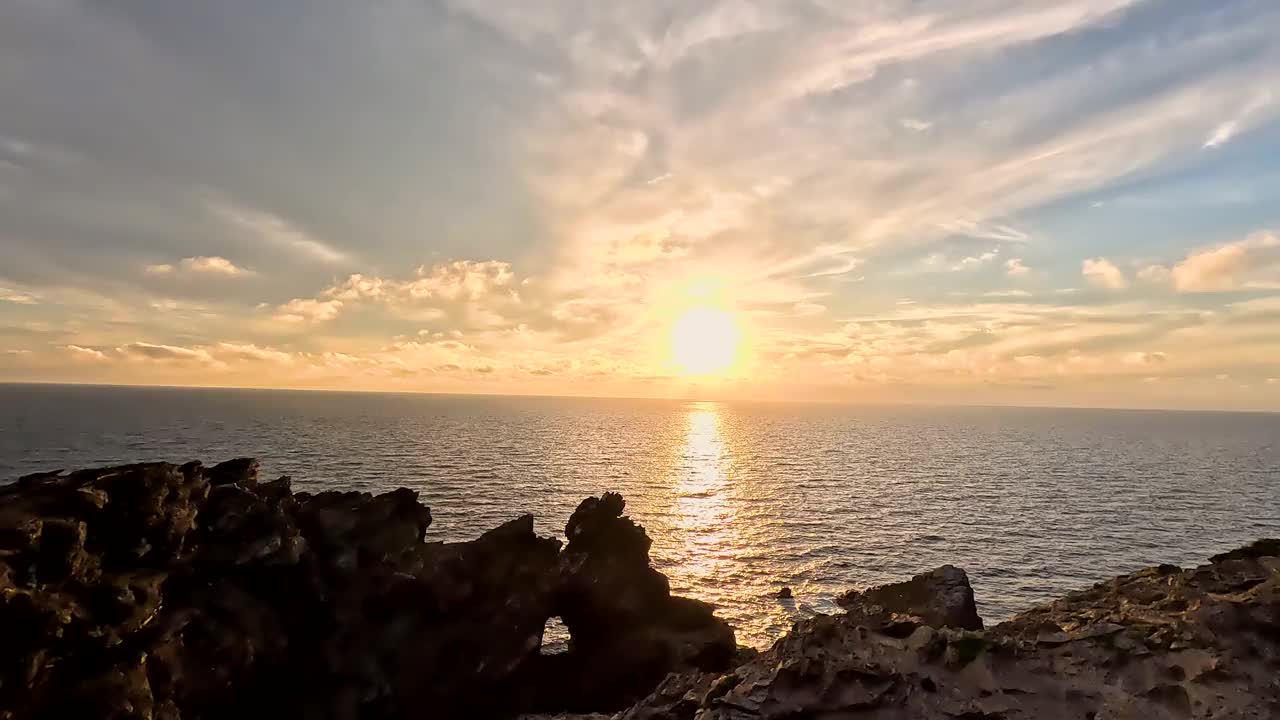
column 462, row 629
column 627, row 630
column 244, row 526
column 359, row 529
column 1257, row 549
column 941, row 598
column 168, row 592
column 241, row 471
column 1160, row 643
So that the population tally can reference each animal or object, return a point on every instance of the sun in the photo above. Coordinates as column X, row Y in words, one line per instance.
column 705, row 341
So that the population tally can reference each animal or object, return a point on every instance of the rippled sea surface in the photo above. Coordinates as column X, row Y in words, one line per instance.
column 740, row 499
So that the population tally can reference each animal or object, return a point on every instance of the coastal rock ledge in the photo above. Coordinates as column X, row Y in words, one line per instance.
column 180, row 592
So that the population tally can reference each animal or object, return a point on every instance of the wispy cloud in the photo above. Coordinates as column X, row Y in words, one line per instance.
column 976, row 261
column 17, row 297
column 85, row 353
column 841, row 266
column 163, row 353
column 276, row 231
column 1226, row 130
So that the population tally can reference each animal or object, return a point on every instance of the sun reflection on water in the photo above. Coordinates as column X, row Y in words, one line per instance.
column 704, row 508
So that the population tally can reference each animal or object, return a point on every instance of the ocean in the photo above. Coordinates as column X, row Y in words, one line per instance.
column 740, row 499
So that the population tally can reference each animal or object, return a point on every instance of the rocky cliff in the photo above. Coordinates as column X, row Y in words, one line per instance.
column 164, row 591
column 1160, row 643
column 169, row 592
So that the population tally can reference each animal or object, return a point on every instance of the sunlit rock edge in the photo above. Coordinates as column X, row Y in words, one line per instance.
column 165, row 591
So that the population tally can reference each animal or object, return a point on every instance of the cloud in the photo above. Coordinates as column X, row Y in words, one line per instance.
column 1103, row 273
column 250, row 352
column 471, row 293
column 979, row 229
column 843, row 266
column 17, row 297
column 599, row 141
column 1014, row 267
column 462, row 280
column 938, row 261
column 308, row 310
column 358, row 287
column 212, row 265
column 13, row 146
column 1221, row 134
column 276, row 231
column 164, row 353
column 1146, row 358
column 85, row 353
column 201, row 264
column 976, row 261
column 1228, row 129
column 1251, row 262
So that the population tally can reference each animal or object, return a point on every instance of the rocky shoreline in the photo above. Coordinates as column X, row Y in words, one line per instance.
column 169, row 592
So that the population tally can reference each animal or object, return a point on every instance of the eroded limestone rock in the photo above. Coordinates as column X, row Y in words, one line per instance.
column 1161, row 643
column 941, row 598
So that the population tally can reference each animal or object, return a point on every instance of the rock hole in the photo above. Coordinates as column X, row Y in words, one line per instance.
column 555, row 637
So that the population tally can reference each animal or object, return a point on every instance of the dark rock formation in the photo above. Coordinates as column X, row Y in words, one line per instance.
column 167, row 592
column 941, row 598
column 1160, row 643
column 626, row 629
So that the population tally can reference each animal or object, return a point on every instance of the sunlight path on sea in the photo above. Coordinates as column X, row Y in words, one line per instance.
column 704, row 509
column 705, row 521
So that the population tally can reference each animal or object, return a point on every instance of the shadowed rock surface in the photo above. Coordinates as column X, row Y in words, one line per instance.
column 1160, row 643
column 169, row 592
column 941, row 598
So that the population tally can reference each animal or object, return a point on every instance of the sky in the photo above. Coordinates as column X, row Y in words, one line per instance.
column 1041, row 202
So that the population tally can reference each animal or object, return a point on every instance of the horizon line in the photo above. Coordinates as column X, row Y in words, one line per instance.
column 722, row 401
